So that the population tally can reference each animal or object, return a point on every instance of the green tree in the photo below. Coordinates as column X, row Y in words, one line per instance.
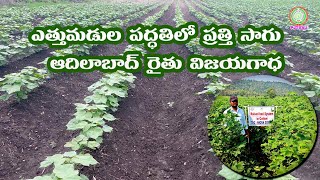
column 271, row 93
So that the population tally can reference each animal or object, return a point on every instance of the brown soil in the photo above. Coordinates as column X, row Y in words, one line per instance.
column 36, row 128
column 18, row 65
column 153, row 140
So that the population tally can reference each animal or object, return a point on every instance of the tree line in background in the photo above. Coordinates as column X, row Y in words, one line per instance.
column 271, row 89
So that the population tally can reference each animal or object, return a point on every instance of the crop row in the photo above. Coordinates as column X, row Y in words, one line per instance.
column 216, row 84
column 305, row 80
column 16, row 48
column 18, row 85
column 310, row 83
column 251, row 49
column 304, row 42
column 263, row 15
column 90, row 118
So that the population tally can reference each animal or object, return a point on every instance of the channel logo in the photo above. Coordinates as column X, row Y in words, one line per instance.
column 298, row 16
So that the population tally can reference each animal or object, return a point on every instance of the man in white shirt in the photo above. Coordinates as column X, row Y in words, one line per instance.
column 241, row 115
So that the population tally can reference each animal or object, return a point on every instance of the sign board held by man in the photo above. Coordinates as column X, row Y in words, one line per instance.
column 260, row 115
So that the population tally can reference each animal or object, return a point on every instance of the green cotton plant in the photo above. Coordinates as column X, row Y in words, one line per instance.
column 205, row 7
column 64, row 166
column 91, row 120
column 18, row 85
column 108, row 89
column 179, row 17
column 78, row 49
column 89, row 117
column 303, row 45
column 3, row 54
column 287, row 146
column 133, row 16
column 116, row 23
column 88, row 139
column 135, row 47
column 252, row 49
column 194, row 45
column 202, row 17
column 4, row 37
column 310, row 83
column 19, row 49
column 22, row 83
column 215, row 85
column 152, row 19
column 3, row 60
column 225, row 138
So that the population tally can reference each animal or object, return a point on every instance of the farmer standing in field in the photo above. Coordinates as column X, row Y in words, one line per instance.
column 241, row 115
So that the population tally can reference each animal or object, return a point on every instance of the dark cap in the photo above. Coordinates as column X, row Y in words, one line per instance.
column 233, row 98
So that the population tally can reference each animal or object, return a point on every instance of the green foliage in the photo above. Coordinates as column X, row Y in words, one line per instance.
column 17, row 22
column 136, row 47
column 305, row 46
column 20, row 84
column 224, row 134
column 271, row 93
column 260, row 88
column 292, row 134
column 152, row 19
column 232, row 13
column 3, row 60
column 64, row 166
column 202, row 17
column 194, row 45
column 16, row 50
column 179, row 17
column 215, row 85
column 280, row 147
column 231, row 175
column 227, row 142
column 90, row 117
column 310, row 83
column 67, row 158
column 252, row 49
column 75, row 49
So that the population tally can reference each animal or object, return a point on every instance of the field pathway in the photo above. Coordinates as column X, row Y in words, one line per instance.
column 161, row 131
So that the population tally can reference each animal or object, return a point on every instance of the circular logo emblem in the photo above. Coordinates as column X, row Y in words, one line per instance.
column 298, row 15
